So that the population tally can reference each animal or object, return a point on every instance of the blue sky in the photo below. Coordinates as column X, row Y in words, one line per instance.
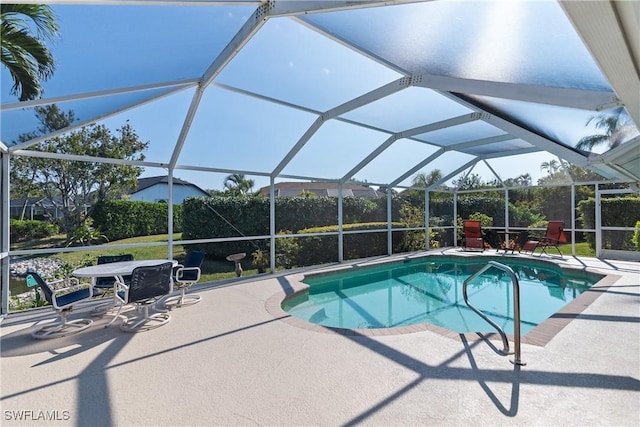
column 103, row 49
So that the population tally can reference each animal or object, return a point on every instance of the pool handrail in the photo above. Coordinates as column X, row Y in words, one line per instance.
column 516, row 309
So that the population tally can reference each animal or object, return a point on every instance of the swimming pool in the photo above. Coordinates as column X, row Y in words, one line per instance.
column 429, row 290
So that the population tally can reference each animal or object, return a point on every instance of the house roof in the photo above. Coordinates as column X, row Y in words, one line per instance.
column 144, row 183
column 320, row 188
column 44, row 202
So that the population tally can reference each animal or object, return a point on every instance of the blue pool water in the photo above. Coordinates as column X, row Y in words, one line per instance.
column 429, row 290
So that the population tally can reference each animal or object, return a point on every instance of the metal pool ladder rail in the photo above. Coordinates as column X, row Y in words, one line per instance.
column 516, row 309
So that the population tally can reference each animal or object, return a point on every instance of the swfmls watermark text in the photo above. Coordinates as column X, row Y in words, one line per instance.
column 36, row 415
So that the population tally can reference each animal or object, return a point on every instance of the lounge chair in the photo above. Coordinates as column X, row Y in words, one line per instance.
column 62, row 300
column 473, row 236
column 552, row 238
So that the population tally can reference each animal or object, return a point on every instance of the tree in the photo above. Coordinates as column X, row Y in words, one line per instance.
column 422, row 180
column 237, row 184
column 617, row 128
column 426, row 180
column 25, row 54
column 78, row 184
column 523, row 180
column 469, row 182
column 552, row 166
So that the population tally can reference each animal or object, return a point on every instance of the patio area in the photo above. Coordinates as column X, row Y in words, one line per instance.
column 229, row 361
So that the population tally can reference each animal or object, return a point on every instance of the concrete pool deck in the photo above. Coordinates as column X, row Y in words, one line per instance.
column 229, row 361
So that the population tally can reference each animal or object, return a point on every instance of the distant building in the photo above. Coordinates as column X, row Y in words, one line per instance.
column 38, row 208
column 156, row 189
column 321, row 188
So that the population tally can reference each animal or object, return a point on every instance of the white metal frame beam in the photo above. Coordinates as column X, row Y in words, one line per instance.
column 179, row 84
column 4, row 234
column 527, row 135
column 571, row 98
column 303, row 7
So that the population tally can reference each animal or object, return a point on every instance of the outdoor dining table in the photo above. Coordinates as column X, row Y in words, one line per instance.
column 117, row 270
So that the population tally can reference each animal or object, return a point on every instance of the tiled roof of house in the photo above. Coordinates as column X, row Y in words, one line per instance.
column 144, row 183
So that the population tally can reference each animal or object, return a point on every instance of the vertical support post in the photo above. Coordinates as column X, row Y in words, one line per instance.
column 573, row 219
column 170, row 214
column 455, row 218
column 272, row 224
column 389, row 221
column 4, row 235
column 340, row 234
column 427, row 243
column 506, row 210
column 598, row 224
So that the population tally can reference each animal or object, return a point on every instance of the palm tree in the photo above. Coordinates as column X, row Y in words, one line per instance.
column 552, row 166
column 24, row 54
column 425, row 180
column 617, row 127
column 238, row 184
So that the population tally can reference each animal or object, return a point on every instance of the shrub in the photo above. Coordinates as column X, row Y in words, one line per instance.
column 323, row 249
column 636, row 236
column 619, row 211
column 121, row 219
column 22, row 231
column 236, row 216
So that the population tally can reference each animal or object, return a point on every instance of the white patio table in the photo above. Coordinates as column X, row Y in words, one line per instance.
column 118, row 270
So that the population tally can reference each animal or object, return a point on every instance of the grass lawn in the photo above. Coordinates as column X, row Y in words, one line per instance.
column 582, row 249
column 211, row 269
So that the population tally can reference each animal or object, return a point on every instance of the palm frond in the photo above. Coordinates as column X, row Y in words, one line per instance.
column 24, row 54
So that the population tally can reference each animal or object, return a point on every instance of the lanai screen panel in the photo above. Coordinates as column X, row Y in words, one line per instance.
column 508, row 41
column 117, row 46
column 468, row 132
column 278, row 62
column 395, row 161
column 128, row 54
column 407, row 109
column 20, row 121
column 560, row 124
column 232, row 130
column 334, row 150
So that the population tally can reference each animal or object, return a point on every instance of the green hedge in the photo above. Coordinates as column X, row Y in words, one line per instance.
column 22, row 231
column 322, row 249
column 216, row 217
column 636, row 236
column 121, row 219
column 468, row 205
column 616, row 212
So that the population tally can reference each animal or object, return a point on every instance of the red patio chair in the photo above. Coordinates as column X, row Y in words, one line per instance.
column 473, row 237
column 552, row 238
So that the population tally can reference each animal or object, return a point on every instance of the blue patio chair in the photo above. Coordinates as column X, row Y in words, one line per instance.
column 104, row 285
column 62, row 300
column 148, row 285
column 184, row 276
